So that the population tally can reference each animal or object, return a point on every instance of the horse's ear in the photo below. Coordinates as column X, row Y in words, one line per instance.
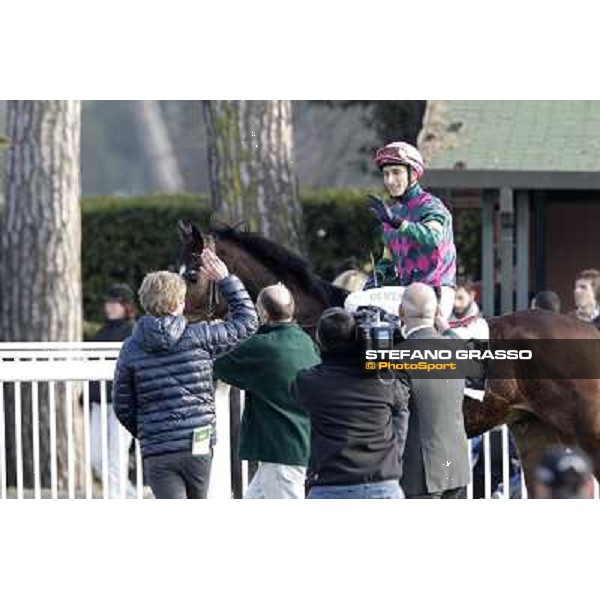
column 188, row 232
column 185, row 230
column 197, row 237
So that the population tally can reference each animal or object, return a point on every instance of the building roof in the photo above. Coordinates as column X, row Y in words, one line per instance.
column 516, row 136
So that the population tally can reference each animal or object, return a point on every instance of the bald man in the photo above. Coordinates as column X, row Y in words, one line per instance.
column 275, row 431
column 435, row 463
column 418, row 308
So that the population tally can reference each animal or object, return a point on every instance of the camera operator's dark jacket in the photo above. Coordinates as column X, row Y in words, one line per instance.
column 436, row 455
column 353, row 419
column 163, row 386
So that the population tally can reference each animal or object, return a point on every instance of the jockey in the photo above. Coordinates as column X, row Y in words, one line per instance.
column 417, row 228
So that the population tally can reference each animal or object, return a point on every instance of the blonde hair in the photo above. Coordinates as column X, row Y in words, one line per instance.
column 161, row 292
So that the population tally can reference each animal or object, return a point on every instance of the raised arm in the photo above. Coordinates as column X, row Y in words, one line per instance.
column 221, row 337
column 427, row 232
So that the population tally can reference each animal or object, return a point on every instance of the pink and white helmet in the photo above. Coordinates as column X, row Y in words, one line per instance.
column 401, row 153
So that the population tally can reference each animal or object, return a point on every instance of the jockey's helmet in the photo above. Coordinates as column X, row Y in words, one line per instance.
column 400, row 153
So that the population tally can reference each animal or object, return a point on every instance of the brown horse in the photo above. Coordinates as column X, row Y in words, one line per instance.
column 540, row 412
column 258, row 262
column 545, row 411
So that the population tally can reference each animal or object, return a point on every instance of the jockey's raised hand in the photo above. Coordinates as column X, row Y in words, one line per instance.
column 382, row 212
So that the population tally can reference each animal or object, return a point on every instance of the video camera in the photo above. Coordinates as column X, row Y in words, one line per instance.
column 376, row 329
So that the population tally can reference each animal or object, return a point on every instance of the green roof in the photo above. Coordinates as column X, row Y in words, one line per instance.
column 515, row 135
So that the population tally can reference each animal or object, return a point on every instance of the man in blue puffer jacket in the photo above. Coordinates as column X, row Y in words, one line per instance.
column 163, row 390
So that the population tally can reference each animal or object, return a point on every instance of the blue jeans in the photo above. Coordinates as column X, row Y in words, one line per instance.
column 382, row 490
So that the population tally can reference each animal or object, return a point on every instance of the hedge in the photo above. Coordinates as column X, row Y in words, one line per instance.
column 340, row 231
column 123, row 239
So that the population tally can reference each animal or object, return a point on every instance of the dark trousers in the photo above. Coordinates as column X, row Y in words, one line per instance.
column 453, row 494
column 180, row 475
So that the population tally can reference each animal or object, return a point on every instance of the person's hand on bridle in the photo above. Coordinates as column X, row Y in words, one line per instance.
column 213, row 268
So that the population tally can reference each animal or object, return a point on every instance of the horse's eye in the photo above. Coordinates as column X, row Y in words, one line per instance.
column 190, row 276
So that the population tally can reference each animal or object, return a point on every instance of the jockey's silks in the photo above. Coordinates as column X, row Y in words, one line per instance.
column 422, row 248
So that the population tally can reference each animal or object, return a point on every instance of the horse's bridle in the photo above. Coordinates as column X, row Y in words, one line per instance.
column 212, row 300
column 213, row 292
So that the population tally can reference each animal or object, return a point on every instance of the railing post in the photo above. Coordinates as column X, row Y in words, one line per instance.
column 235, row 423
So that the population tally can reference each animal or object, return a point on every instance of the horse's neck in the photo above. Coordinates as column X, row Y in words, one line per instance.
column 255, row 276
column 251, row 272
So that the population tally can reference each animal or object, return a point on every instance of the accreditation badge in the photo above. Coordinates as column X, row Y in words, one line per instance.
column 201, row 441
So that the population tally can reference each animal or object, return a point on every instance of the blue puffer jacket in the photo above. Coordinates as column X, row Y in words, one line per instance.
column 163, row 385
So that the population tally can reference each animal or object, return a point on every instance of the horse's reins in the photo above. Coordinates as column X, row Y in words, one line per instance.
column 212, row 294
column 212, row 300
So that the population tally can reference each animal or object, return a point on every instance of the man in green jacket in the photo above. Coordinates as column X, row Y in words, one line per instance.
column 275, row 431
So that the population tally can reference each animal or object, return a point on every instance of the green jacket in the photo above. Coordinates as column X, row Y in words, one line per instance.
column 274, row 429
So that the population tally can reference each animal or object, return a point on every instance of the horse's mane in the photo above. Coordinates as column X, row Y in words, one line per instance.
column 283, row 263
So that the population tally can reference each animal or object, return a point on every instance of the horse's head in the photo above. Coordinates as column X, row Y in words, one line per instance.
column 192, row 244
column 258, row 262
column 201, row 302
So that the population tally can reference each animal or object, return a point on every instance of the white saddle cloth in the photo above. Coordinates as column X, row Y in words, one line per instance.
column 390, row 297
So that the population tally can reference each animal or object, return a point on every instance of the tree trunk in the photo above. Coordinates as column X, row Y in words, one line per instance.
column 250, row 156
column 40, row 263
column 155, row 143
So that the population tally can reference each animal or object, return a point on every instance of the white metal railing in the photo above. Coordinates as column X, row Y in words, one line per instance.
column 504, row 468
column 66, row 369
column 485, row 457
column 47, row 373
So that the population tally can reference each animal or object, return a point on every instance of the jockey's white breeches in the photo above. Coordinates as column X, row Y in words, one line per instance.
column 447, row 301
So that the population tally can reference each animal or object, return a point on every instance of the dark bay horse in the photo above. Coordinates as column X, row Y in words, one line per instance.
column 540, row 412
column 258, row 262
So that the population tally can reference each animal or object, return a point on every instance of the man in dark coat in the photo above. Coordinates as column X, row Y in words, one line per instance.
column 163, row 387
column 275, row 431
column 355, row 418
column 436, row 460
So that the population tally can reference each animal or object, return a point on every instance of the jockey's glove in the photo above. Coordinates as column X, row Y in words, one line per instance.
column 383, row 212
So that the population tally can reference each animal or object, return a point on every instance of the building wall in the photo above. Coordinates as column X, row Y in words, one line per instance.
column 471, row 200
column 572, row 240
column 571, row 226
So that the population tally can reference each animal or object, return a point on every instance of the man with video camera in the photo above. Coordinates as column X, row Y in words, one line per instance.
column 358, row 420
